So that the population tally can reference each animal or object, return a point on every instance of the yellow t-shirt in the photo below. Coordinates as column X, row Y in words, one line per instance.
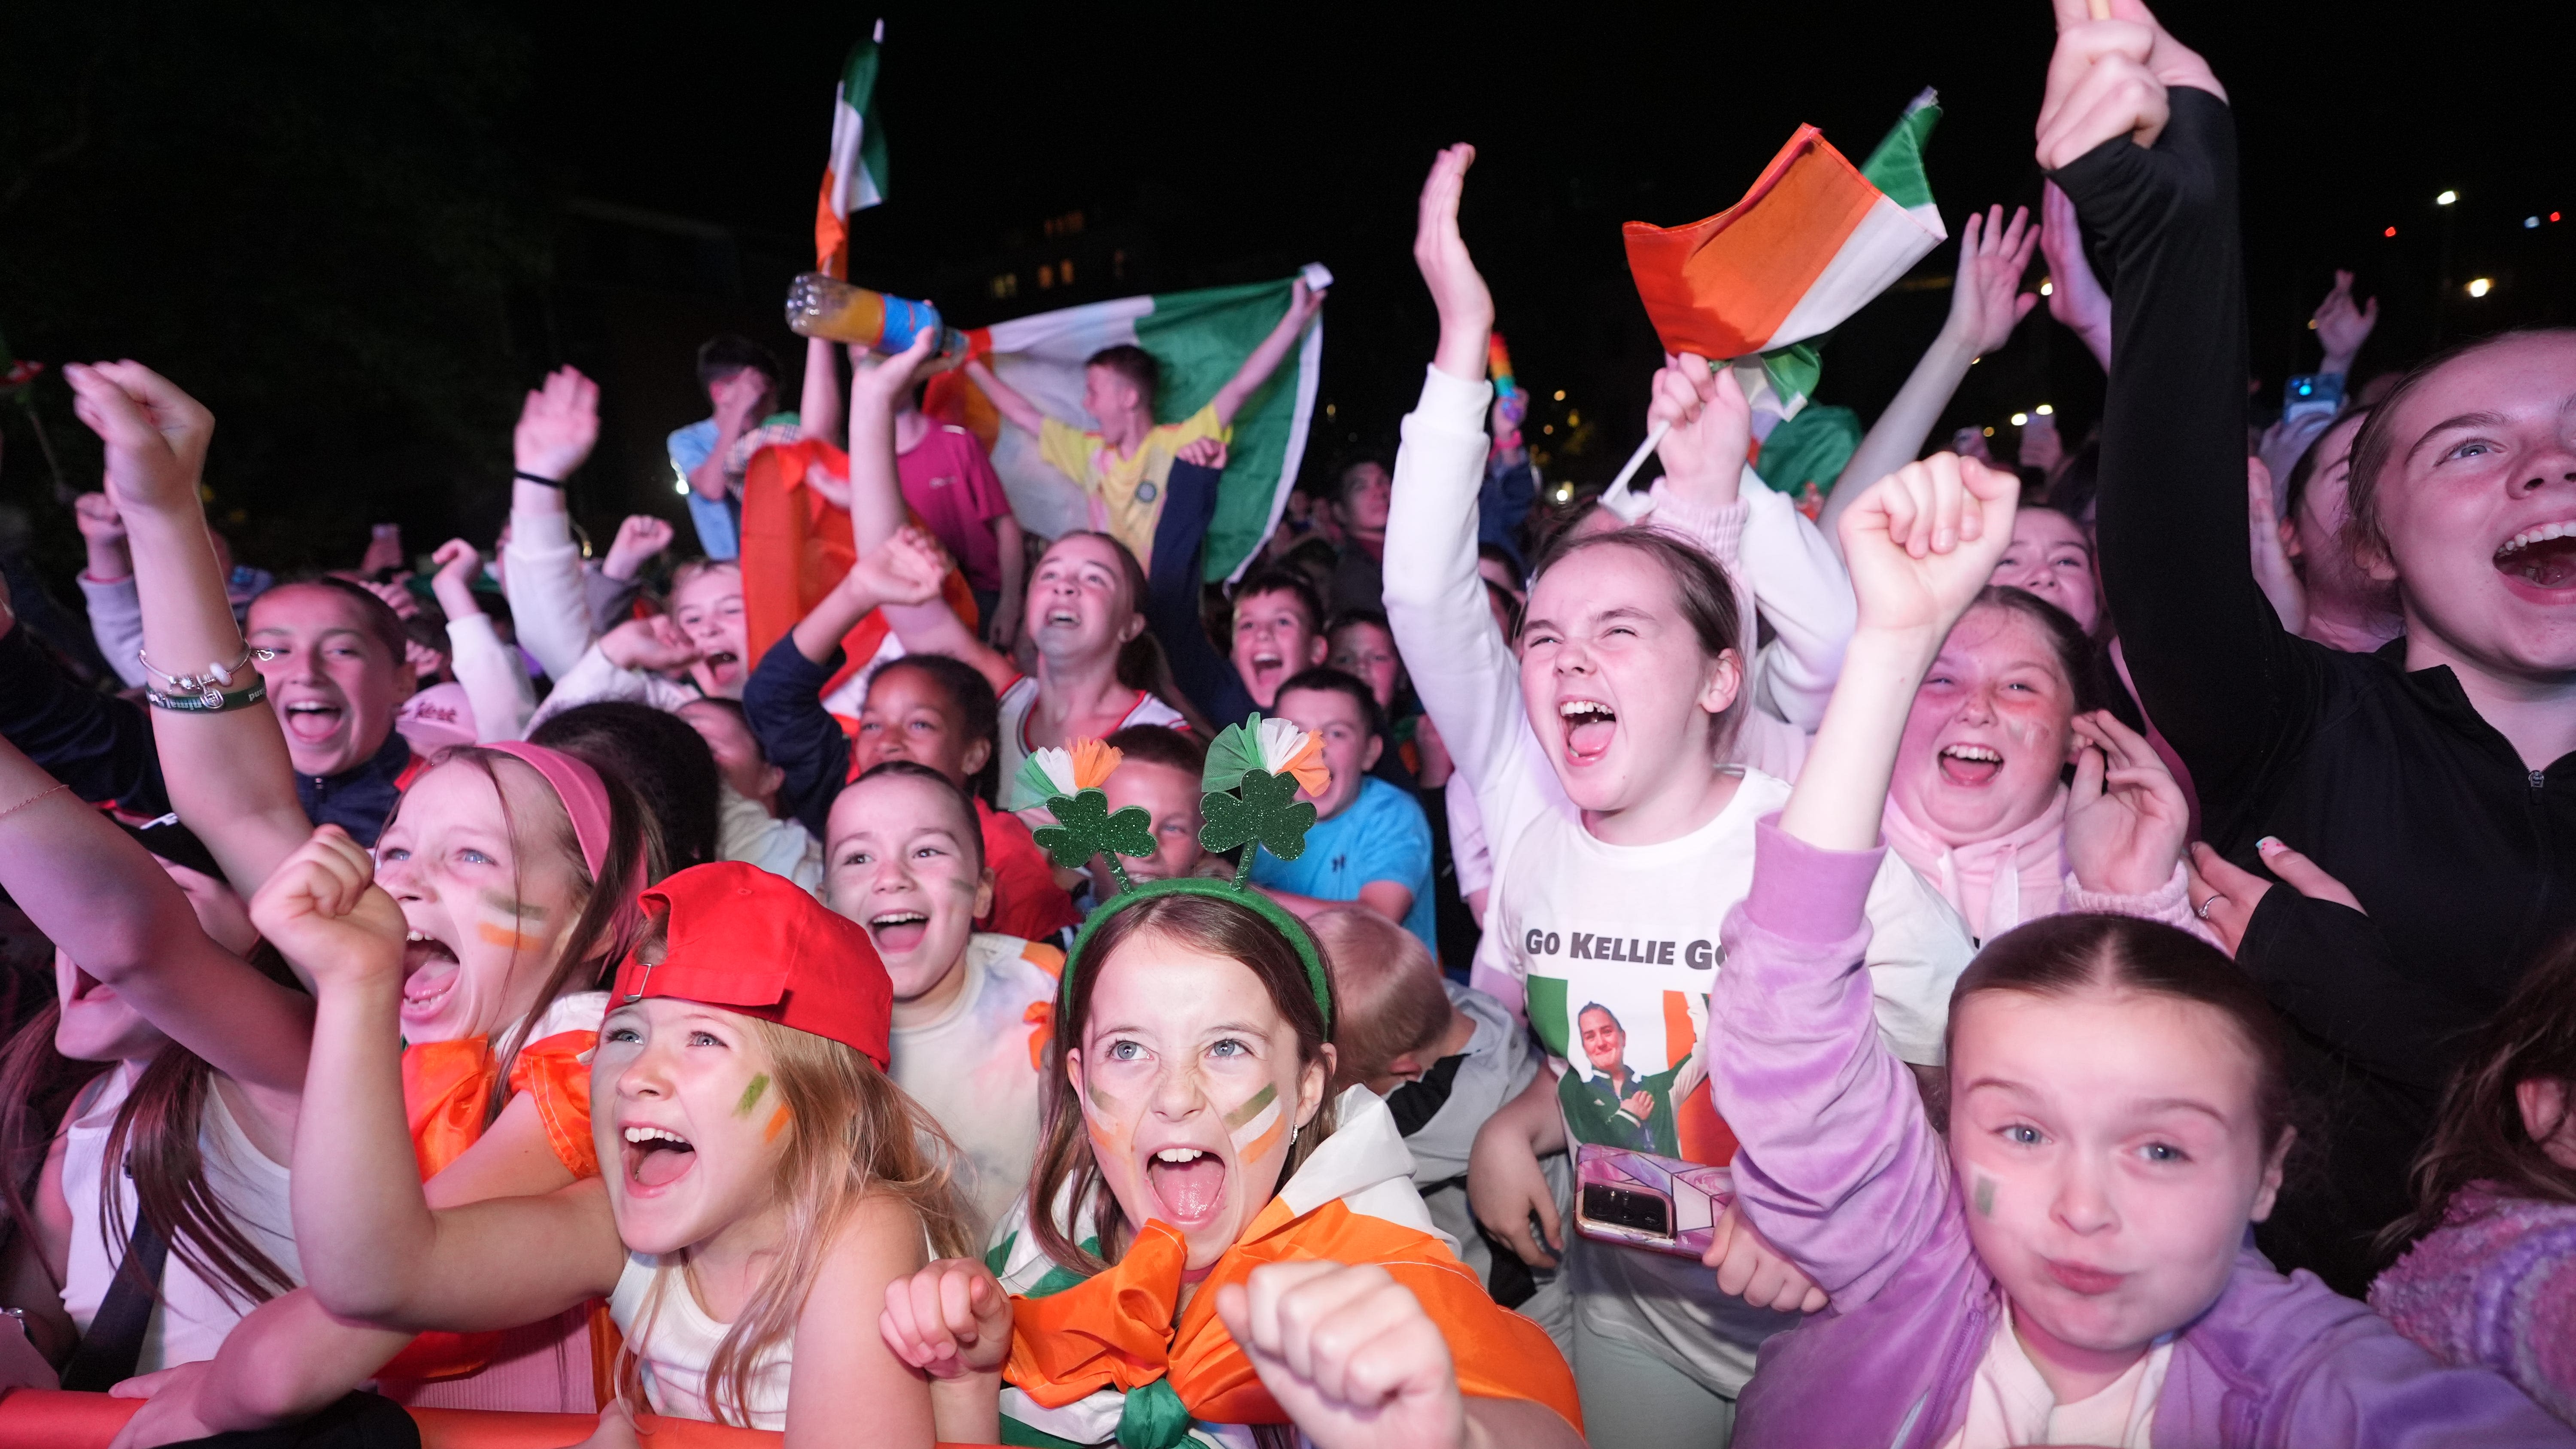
column 1130, row 489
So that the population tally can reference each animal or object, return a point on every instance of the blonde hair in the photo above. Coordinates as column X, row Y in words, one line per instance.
column 852, row 1134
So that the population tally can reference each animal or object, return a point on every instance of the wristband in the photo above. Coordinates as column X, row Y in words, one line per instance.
column 211, row 701
column 524, row 476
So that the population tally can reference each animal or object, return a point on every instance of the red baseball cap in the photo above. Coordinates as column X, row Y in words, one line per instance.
column 748, row 941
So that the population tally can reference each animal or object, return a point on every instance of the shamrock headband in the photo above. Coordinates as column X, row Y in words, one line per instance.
column 1252, row 776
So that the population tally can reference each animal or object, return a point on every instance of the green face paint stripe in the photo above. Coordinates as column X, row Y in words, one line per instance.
column 1985, row 1197
column 751, row 1095
column 1252, row 1107
column 513, row 906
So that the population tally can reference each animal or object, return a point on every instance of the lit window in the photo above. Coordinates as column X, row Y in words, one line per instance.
column 1046, row 276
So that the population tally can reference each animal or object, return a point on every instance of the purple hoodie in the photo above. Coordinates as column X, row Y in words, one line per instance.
column 1840, row 1169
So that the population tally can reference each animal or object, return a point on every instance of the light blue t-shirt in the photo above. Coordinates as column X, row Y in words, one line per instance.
column 714, row 517
column 1382, row 835
column 718, row 520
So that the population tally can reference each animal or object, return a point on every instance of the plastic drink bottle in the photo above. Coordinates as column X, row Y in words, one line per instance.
column 826, row 307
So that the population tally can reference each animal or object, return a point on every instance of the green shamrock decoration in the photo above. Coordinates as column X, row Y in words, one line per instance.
column 1267, row 815
column 1085, row 828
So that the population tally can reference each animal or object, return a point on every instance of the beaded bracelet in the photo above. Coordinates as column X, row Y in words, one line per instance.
column 217, row 673
column 210, row 701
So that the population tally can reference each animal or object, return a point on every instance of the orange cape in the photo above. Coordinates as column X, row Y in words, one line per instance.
column 446, row 1087
column 1117, row 1330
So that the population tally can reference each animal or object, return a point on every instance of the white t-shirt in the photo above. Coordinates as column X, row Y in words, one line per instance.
column 2009, row 1403
column 1631, row 929
column 976, row 1068
column 194, row 1314
column 675, row 1341
column 1022, row 695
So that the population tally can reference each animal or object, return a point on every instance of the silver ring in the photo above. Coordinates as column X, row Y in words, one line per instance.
column 2202, row 910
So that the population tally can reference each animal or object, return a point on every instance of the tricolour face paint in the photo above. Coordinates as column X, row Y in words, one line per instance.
column 777, row 1124
column 1985, row 1196
column 751, row 1095
column 515, row 909
column 1258, row 1123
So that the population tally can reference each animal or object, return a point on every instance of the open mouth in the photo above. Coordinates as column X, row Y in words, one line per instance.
column 1189, row 1182
column 897, row 932
column 1970, row 764
column 655, row 1157
column 1589, row 726
column 720, row 660
column 1059, row 619
column 312, row 722
column 429, row 974
column 2543, row 557
column 88, row 988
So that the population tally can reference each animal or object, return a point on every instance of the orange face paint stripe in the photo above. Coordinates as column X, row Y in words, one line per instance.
column 777, row 1124
column 504, row 936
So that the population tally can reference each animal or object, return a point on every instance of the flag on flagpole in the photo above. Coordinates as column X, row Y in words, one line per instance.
column 1200, row 339
column 1812, row 242
column 854, row 176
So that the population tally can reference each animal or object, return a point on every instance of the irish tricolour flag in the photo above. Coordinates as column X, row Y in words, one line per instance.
column 854, row 178
column 1812, row 242
column 1200, row 338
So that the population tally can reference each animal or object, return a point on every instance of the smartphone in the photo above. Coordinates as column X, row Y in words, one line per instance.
column 1642, row 1200
column 2311, row 395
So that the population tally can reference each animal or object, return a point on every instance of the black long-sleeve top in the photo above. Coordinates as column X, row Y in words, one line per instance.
column 1171, row 607
column 98, row 744
column 2387, row 777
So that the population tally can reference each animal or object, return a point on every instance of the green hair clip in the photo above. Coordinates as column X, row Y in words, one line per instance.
column 1253, row 773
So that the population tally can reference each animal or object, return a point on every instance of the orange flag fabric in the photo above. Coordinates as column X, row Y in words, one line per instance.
column 797, row 545
column 1118, row 1330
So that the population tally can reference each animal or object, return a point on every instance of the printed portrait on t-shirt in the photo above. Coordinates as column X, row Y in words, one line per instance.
column 1632, row 1037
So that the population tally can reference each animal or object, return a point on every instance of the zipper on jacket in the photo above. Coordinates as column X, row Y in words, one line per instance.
column 2539, row 781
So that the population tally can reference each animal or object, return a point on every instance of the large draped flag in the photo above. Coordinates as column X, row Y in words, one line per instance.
column 1201, row 339
column 1814, row 240
column 854, row 176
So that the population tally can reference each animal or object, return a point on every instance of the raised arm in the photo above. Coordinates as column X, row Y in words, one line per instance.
column 2139, row 134
column 1173, row 584
column 1435, row 601
column 877, row 389
column 1303, row 303
column 1986, row 303
column 1839, row 1167
column 1015, row 409
column 120, row 918
column 227, row 771
column 818, row 404
column 500, row 692
column 2075, row 295
column 370, row 1244
column 558, row 426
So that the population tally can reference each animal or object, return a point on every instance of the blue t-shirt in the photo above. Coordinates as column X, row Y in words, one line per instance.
column 1382, row 835
column 714, row 517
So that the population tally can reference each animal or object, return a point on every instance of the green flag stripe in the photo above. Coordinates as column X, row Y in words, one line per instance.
column 1896, row 167
column 1201, row 338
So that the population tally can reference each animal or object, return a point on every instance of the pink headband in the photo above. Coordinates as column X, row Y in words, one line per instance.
column 578, row 786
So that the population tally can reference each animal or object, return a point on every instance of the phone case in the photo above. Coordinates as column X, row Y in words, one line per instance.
column 1641, row 1200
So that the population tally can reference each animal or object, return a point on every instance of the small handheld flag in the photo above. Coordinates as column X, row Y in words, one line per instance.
column 854, row 176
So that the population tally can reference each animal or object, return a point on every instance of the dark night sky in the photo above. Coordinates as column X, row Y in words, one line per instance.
column 1297, row 134
column 357, row 232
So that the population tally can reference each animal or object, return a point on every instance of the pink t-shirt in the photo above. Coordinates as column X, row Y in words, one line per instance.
column 951, row 484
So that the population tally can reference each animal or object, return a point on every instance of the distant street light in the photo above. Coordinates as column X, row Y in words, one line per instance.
column 2446, row 198
column 2480, row 286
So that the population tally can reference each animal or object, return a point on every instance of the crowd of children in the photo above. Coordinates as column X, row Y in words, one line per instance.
column 2022, row 959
